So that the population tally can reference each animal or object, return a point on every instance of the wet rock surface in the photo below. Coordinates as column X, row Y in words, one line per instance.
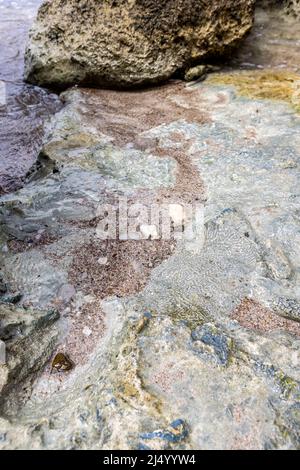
column 26, row 108
column 141, row 42
column 29, row 337
column 166, row 337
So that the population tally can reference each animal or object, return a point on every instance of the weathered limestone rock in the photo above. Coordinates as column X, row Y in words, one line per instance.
column 136, row 42
column 210, row 336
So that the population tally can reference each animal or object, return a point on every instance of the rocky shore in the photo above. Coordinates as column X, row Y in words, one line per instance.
column 175, row 343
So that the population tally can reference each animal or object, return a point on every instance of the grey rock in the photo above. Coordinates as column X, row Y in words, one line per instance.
column 212, row 342
column 11, row 298
column 29, row 337
column 190, row 359
column 16, row 323
column 3, row 287
column 289, row 308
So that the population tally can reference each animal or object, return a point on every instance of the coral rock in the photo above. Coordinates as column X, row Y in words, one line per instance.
column 129, row 43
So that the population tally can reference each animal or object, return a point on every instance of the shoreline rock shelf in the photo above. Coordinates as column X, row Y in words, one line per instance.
column 153, row 342
column 245, row 273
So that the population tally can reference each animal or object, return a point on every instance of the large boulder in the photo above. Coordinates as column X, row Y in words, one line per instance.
column 127, row 43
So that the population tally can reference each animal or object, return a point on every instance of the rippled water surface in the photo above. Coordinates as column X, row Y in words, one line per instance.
column 273, row 43
column 27, row 107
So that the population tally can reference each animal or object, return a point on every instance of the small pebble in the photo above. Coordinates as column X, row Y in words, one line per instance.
column 87, row 331
column 61, row 363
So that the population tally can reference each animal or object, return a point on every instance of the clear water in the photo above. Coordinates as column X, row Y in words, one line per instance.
column 27, row 107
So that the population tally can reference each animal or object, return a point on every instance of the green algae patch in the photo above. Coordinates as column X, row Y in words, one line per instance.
column 287, row 384
column 192, row 317
column 268, row 84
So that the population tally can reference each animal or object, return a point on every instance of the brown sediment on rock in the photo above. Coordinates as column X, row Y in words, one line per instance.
column 125, row 115
column 116, row 267
column 20, row 246
column 267, row 84
column 189, row 187
column 165, row 378
column 86, row 326
column 251, row 314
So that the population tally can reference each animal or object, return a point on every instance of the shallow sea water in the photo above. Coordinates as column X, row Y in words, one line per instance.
column 27, row 107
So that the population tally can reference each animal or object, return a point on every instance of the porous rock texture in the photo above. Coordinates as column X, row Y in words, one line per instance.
column 128, row 43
